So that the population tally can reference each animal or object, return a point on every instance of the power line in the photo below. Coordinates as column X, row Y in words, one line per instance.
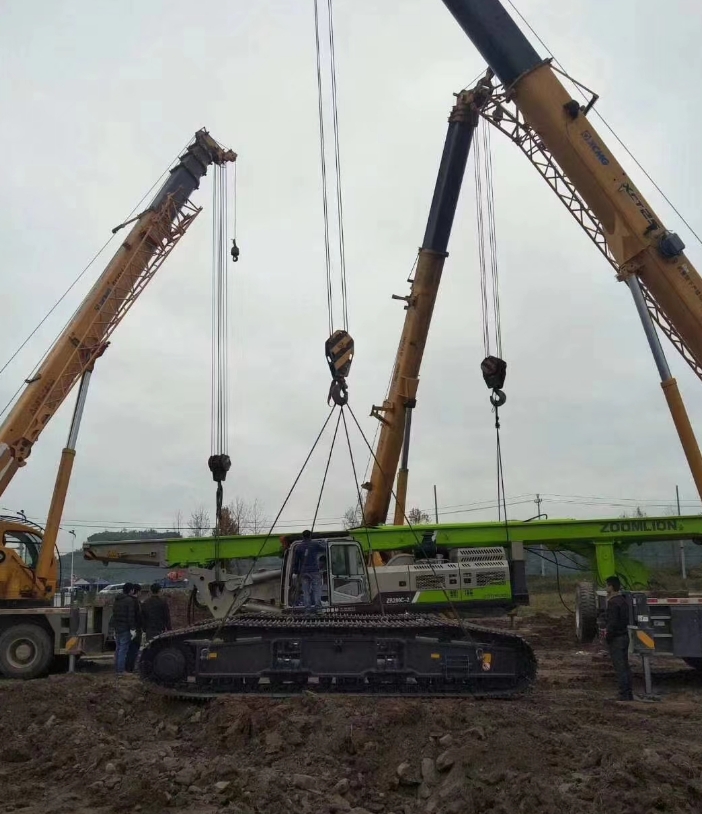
column 444, row 511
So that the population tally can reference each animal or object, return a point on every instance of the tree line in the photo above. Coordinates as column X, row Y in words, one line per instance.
column 353, row 517
column 238, row 517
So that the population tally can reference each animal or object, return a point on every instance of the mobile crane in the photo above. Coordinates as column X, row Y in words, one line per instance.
column 534, row 109
column 552, row 128
column 357, row 651
column 32, row 631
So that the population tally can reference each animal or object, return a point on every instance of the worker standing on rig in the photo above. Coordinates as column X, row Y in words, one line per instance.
column 306, row 566
column 617, row 637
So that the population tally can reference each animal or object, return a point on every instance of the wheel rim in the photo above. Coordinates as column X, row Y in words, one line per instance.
column 22, row 653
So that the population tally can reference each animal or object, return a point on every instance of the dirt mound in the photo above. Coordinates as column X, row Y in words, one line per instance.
column 91, row 743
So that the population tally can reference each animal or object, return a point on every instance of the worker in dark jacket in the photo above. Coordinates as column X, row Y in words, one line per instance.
column 617, row 637
column 155, row 614
column 307, row 567
column 124, row 624
column 137, row 632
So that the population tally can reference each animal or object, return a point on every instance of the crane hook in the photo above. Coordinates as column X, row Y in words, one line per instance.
column 497, row 398
column 234, row 251
column 338, row 391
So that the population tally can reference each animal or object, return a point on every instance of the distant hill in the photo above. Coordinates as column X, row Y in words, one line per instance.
column 119, row 572
column 115, row 572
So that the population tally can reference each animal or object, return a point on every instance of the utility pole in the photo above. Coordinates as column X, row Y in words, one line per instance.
column 683, row 564
column 538, row 502
column 71, row 658
column 436, row 507
column 73, row 541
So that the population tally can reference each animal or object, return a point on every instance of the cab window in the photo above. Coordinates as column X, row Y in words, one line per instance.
column 25, row 545
column 346, row 561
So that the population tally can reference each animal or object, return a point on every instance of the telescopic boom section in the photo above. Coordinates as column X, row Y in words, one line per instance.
column 635, row 234
column 419, row 307
column 155, row 232
column 638, row 242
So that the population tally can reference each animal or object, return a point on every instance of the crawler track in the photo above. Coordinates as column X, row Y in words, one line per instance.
column 338, row 653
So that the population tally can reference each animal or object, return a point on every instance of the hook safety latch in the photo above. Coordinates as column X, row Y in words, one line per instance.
column 339, row 349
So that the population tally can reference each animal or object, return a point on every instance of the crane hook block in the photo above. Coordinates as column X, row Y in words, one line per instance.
column 494, row 372
column 338, row 350
column 219, row 466
column 235, row 251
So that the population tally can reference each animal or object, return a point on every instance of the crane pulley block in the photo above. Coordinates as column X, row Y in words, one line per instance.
column 219, row 466
column 339, row 349
column 494, row 372
column 339, row 352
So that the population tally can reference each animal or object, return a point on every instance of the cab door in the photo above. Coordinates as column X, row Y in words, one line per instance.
column 348, row 578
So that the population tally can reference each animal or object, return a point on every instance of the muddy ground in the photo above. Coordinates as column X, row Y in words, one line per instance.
column 87, row 743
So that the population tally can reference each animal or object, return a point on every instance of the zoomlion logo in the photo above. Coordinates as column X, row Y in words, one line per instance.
column 616, row 526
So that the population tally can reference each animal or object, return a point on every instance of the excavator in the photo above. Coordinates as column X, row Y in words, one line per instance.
column 34, row 633
column 402, row 653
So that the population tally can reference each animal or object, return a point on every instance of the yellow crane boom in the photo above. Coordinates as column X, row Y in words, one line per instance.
column 151, row 239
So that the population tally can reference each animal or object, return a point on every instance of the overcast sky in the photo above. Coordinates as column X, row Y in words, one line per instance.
column 99, row 97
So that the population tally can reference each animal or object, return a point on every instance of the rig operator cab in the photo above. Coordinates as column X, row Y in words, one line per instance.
column 19, row 554
column 474, row 581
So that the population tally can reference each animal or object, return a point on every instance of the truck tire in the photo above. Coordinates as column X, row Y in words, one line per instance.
column 585, row 612
column 695, row 663
column 26, row 651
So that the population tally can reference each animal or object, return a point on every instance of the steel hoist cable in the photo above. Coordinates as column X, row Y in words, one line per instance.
column 219, row 461
column 261, row 549
column 420, row 543
column 493, row 367
column 357, row 484
column 326, row 471
column 339, row 347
